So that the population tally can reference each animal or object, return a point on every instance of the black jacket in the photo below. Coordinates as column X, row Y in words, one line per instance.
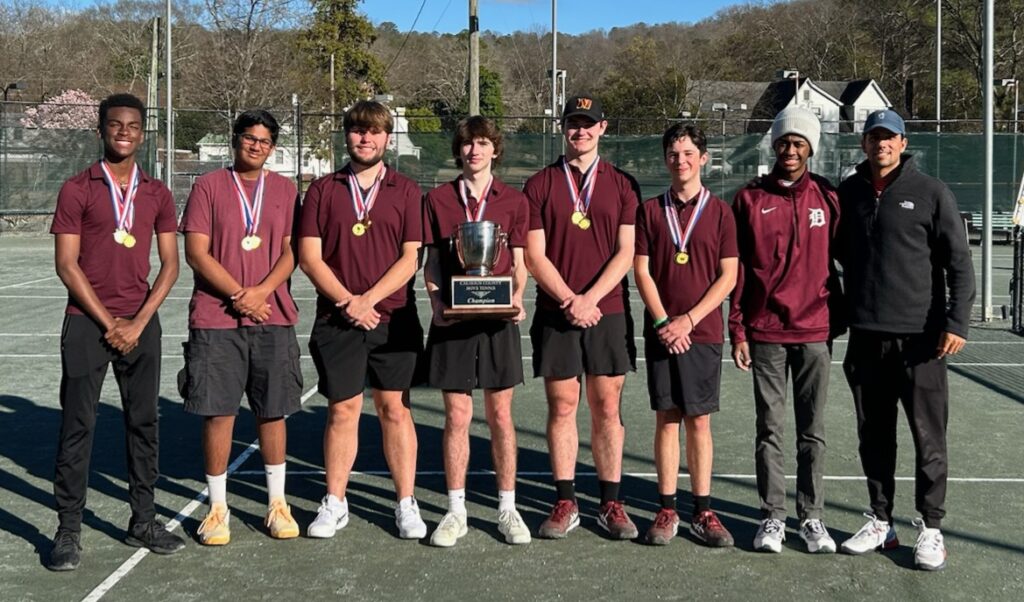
column 900, row 253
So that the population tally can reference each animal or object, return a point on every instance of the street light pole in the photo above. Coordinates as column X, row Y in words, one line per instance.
column 938, row 65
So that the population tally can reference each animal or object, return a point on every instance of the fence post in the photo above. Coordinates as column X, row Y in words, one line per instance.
column 297, row 111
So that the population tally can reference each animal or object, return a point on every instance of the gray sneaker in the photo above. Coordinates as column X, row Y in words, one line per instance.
column 815, row 535
column 770, row 536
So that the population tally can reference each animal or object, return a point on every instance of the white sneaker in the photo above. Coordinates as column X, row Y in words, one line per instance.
column 929, row 551
column 331, row 516
column 815, row 535
column 874, row 535
column 409, row 523
column 770, row 536
column 449, row 530
column 511, row 525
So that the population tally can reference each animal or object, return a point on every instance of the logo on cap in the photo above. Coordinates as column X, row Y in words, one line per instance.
column 584, row 104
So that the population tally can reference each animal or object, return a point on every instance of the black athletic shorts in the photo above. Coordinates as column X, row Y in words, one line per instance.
column 561, row 350
column 223, row 363
column 688, row 381
column 475, row 354
column 348, row 358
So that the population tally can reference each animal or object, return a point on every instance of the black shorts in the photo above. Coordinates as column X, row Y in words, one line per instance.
column 260, row 361
column 688, row 381
column 348, row 358
column 561, row 350
column 475, row 354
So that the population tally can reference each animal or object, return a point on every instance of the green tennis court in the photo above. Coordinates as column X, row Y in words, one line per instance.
column 366, row 561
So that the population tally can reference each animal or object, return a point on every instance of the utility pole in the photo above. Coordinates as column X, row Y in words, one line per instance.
column 474, row 59
column 986, row 210
column 169, row 77
column 554, row 72
column 938, row 65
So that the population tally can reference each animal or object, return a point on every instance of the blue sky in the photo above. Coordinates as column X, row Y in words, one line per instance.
column 574, row 16
column 504, row 16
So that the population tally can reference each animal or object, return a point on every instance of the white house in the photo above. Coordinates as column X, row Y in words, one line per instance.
column 216, row 148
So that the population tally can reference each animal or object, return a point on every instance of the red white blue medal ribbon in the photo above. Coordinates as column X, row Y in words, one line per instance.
column 252, row 211
column 123, row 202
column 581, row 196
column 361, row 203
column 481, row 202
column 681, row 238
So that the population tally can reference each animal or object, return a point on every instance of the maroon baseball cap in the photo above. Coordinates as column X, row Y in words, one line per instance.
column 587, row 106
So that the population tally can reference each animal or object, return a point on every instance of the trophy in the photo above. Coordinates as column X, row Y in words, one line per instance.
column 478, row 294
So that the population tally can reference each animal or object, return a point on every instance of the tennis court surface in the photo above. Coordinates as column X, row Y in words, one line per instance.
column 366, row 560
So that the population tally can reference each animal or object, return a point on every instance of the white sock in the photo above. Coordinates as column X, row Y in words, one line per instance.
column 506, row 501
column 218, row 486
column 406, row 502
column 457, row 501
column 335, row 503
column 275, row 480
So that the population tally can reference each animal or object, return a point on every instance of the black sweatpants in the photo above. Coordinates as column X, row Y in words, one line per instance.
column 84, row 359
column 883, row 369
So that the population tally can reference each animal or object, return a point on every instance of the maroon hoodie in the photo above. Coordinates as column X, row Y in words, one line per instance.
column 786, row 274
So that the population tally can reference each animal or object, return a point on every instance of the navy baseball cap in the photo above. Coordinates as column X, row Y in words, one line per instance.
column 888, row 119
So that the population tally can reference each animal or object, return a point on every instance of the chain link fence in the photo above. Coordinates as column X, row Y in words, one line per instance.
column 34, row 162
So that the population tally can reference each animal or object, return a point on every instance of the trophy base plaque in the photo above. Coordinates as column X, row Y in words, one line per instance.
column 481, row 297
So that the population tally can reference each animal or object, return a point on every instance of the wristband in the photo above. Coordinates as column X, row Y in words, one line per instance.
column 659, row 324
column 692, row 325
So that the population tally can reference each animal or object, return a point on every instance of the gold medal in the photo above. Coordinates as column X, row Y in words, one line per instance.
column 577, row 217
column 129, row 241
column 682, row 257
column 358, row 229
column 584, row 223
column 250, row 243
column 119, row 236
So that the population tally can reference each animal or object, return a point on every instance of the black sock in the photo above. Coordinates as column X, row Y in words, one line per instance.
column 701, row 503
column 609, row 491
column 933, row 523
column 566, row 490
column 668, row 501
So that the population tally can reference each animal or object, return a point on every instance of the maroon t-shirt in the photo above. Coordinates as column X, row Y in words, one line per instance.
column 118, row 275
column 444, row 213
column 358, row 262
column 682, row 286
column 581, row 255
column 213, row 209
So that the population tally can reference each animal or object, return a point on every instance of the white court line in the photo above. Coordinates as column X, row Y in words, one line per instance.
column 100, row 590
column 639, row 475
column 530, row 358
column 27, row 283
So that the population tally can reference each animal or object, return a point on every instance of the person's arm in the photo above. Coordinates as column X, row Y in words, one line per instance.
column 737, row 331
column 652, row 300
column 67, row 248
column 956, row 257
column 124, row 336
column 361, row 307
column 677, row 332
column 518, row 282
column 583, row 308
column 432, row 277
column 250, row 299
column 312, row 263
column 543, row 271
column 198, row 257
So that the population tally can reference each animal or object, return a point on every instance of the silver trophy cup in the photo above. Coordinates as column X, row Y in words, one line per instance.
column 478, row 246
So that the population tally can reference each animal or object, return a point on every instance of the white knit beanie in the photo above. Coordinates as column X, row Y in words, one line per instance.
column 799, row 121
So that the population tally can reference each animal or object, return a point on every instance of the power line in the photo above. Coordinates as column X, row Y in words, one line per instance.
column 407, row 34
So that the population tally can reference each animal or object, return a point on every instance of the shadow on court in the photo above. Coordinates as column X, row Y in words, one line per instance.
column 1007, row 383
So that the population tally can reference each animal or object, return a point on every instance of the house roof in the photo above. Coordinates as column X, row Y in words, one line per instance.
column 705, row 93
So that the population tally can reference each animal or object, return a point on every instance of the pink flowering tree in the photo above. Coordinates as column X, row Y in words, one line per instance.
column 69, row 110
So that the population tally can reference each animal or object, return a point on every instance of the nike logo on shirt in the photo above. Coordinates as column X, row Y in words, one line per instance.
column 768, row 210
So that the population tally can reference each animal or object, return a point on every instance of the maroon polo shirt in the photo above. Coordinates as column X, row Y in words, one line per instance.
column 444, row 213
column 213, row 209
column 682, row 286
column 581, row 255
column 358, row 262
column 118, row 275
